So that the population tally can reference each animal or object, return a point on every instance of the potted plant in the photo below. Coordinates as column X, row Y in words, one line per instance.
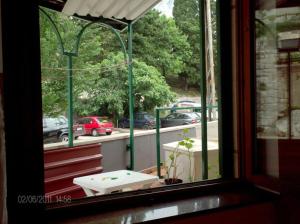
column 186, row 143
column 173, row 157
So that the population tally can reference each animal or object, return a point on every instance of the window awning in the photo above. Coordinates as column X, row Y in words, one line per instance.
column 117, row 13
column 117, row 9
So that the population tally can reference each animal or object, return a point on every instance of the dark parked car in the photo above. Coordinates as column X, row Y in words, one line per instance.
column 55, row 129
column 142, row 120
column 175, row 119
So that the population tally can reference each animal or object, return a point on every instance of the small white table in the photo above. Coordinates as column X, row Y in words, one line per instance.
column 106, row 183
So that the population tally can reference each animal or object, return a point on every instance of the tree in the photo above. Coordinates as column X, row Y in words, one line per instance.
column 53, row 63
column 186, row 16
column 100, row 76
column 108, row 88
column 159, row 43
column 210, row 58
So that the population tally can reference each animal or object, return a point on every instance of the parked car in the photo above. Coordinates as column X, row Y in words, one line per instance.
column 175, row 119
column 186, row 103
column 142, row 120
column 95, row 125
column 55, row 129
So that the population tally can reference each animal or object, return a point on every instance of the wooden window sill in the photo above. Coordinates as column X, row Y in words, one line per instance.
column 158, row 206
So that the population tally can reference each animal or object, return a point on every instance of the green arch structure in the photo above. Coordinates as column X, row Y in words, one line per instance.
column 74, row 53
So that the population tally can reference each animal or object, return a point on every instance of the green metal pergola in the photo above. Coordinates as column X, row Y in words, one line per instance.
column 118, row 16
column 74, row 53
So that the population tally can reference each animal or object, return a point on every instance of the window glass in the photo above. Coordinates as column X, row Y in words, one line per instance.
column 149, row 116
column 277, row 41
column 140, row 117
column 193, row 115
column 182, row 116
column 171, row 116
column 102, row 120
column 52, row 122
column 166, row 51
column 62, row 120
column 44, row 122
column 80, row 121
column 295, row 92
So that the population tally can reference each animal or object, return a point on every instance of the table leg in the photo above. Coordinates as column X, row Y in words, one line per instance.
column 89, row 192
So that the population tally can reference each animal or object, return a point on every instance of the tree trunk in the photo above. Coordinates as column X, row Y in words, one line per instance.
column 210, row 61
column 186, row 85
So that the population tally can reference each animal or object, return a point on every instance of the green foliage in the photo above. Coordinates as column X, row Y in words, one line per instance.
column 54, row 64
column 99, row 73
column 159, row 42
column 173, row 163
column 151, row 87
column 108, row 88
column 186, row 16
column 164, row 49
column 186, row 143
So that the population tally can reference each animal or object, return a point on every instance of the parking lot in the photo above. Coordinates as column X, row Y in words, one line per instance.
column 120, row 133
column 117, row 132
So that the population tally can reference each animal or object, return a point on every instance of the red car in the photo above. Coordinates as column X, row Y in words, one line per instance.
column 95, row 125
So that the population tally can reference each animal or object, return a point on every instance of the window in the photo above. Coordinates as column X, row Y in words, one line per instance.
column 149, row 116
column 90, row 99
column 33, row 145
column 277, row 55
column 51, row 122
column 171, row 116
column 139, row 116
column 62, row 120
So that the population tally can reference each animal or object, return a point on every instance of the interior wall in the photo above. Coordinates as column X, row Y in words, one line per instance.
column 22, row 105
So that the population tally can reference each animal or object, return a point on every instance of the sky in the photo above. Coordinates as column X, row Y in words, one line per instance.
column 165, row 6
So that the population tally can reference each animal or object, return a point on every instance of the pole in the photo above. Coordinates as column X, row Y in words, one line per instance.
column 203, row 90
column 130, row 84
column 158, row 143
column 70, row 100
column 211, row 70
